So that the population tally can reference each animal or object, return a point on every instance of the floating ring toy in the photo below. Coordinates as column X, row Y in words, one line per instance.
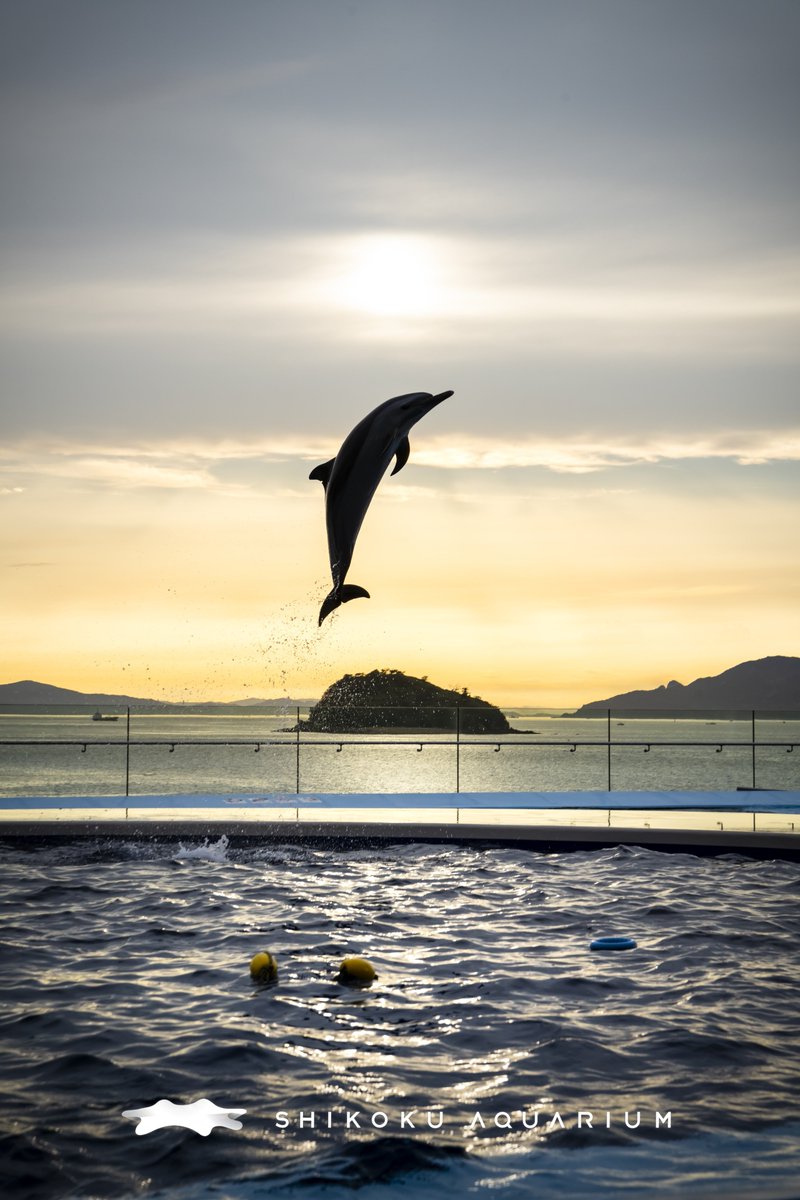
column 613, row 943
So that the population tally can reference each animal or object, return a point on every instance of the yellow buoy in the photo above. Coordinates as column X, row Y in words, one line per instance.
column 356, row 970
column 263, row 967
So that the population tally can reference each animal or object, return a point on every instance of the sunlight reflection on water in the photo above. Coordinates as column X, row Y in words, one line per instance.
column 487, row 999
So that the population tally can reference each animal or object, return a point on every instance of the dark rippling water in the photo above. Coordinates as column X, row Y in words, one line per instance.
column 126, row 980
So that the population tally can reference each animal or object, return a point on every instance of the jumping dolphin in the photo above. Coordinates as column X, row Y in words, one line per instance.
column 350, row 480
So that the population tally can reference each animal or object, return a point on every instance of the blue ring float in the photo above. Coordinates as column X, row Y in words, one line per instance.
column 613, row 943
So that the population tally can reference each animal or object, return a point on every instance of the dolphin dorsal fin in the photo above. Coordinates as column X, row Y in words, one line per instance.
column 323, row 472
column 403, row 451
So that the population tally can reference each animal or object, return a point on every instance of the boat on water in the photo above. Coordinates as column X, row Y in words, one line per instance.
column 98, row 716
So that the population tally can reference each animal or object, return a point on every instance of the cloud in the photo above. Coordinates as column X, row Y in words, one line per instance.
column 122, row 472
column 221, row 468
column 745, row 448
column 259, row 467
column 398, row 286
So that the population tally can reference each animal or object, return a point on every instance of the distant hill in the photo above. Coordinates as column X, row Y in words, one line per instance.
column 28, row 691
column 391, row 700
column 765, row 683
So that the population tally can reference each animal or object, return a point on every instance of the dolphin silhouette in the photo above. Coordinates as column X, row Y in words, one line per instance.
column 350, row 480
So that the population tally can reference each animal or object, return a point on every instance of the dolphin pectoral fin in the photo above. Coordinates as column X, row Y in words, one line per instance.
column 403, row 451
column 323, row 472
column 337, row 596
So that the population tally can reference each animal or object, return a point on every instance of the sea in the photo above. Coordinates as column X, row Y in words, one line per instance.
column 67, row 753
column 495, row 1055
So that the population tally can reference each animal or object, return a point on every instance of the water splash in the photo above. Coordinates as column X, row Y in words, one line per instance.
column 209, row 851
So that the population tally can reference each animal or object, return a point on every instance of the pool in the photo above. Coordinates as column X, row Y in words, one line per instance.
column 491, row 1022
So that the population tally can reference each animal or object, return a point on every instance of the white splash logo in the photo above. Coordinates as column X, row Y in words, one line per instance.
column 202, row 1117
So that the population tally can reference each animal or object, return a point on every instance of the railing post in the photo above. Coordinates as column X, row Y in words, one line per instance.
column 458, row 748
column 753, row 743
column 608, row 752
column 128, row 753
column 297, row 754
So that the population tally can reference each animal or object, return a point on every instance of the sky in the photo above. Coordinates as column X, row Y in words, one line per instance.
column 230, row 230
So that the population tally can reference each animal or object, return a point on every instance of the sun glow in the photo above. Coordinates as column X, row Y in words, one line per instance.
column 392, row 275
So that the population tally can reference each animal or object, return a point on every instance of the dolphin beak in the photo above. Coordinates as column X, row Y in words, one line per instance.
column 438, row 399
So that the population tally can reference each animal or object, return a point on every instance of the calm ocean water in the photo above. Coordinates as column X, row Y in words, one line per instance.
column 95, row 762
column 126, row 981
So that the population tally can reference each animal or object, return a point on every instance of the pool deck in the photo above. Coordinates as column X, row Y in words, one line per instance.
column 757, row 824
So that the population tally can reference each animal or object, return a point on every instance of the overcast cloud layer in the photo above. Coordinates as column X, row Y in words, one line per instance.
column 600, row 199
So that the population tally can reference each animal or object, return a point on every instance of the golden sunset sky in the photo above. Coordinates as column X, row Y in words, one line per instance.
column 229, row 231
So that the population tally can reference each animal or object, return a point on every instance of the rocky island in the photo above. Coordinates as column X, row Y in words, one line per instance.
column 388, row 699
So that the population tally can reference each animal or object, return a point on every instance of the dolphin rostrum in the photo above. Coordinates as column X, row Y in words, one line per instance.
column 350, row 480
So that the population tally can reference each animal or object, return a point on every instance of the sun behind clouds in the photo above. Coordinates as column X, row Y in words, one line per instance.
column 391, row 275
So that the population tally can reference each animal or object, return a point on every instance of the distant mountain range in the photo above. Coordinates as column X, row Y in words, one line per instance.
column 28, row 691
column 764, row 683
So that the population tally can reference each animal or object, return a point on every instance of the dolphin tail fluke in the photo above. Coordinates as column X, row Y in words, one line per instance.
column 340, row 595
column 351, row 591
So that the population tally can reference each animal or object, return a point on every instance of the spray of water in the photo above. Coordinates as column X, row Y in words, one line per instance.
column 209, row 851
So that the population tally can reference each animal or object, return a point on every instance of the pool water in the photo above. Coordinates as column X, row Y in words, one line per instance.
column 471, row 1064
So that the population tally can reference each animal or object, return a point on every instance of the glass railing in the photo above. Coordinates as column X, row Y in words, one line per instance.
column 212, row 750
